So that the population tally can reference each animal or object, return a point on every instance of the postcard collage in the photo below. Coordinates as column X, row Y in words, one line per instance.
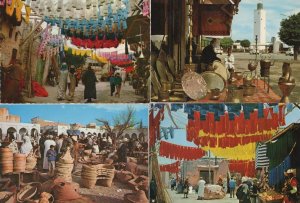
column 149, row 101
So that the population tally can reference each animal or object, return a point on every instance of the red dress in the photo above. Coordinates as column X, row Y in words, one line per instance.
column 293, row 183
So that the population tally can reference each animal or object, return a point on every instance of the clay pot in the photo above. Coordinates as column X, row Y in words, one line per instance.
column 136, row 197
column 19, row 162
column 124, row 176
column 65, row 191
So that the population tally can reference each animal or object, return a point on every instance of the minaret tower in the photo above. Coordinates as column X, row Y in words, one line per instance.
column 260, row 26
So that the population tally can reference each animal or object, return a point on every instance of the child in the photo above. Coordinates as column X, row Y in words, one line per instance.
column 229, row 59
column 112, row 85
column 51, row 155
column 118, row 84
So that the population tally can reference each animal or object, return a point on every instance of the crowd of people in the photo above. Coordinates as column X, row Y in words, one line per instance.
column 69, row 78
column 49, row 147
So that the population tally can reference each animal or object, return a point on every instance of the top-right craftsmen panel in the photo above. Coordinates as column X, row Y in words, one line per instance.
column 225, row 51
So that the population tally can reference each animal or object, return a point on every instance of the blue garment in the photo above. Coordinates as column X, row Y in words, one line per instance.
column 51, row 154
column 232, row 184
column 112, row 80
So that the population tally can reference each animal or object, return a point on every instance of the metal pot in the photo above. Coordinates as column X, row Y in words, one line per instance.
column 265, row 68
column 215, row 94
column 235, row 94
column 252, row 65
column 163, row 96
column 249, row 90
column 166, row 86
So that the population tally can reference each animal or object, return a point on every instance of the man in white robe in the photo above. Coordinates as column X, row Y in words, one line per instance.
column 26, row 146
column 201, row 185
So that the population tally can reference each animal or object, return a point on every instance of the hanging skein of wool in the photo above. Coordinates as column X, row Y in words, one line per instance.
column 171, row 168
column 179, row 152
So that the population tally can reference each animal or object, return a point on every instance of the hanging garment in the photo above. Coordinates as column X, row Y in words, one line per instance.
column 39, row 71
column 261, row 156
column 46, row 70
column 10, row 7
column 28, row 12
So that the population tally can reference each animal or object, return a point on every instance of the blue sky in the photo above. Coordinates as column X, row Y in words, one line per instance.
column 276, row 10
column 180, row 134
column 73, row 113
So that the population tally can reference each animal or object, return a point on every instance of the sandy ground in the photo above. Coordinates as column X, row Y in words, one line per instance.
column 178, row 198
column 103, row 95
column 241, row 64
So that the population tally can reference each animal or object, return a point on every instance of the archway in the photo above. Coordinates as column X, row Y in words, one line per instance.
column 82, row 135
column 22, row 132
column 11, row 133
column 127, row 136
column 134, row 136
column 142, row 137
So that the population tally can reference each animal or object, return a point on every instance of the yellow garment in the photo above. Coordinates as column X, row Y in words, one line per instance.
column 10, row 9
column 89, row 52
column 73, row 52
column 28, row 12
column 240, row 152
column 66, row 48
column 101, row 59
column 19, row 6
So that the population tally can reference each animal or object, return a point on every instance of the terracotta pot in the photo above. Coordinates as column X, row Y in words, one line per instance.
column 65, row 191
column 136, row 197
column 7, row 167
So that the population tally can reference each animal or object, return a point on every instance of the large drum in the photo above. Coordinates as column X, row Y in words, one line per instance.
column 220, row 69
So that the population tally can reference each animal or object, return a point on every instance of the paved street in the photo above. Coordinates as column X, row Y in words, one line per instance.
column 103, row 95
column 241, row 64
column 178, row 198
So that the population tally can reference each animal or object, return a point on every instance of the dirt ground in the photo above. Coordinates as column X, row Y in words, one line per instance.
column 241, row 64
column 103, row 95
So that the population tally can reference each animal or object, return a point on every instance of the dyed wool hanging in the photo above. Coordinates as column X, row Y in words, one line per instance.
column 172, row 168
column 245, row 168
column 154, row 131
column 240, row 152
column 179, row 152
column 230, row 133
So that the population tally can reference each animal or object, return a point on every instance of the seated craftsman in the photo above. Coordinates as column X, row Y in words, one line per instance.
column 209, row 55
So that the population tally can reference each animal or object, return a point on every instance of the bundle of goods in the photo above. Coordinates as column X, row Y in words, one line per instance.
column 271, row 196
column 136, row 197
column 6, row 160
column 88, row 176
column 105, row 174
column 64, row 166
column 213, row 192
column 31, row 161
column 19, row 162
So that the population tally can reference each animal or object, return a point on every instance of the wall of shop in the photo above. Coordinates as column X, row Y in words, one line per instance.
column 6, row 117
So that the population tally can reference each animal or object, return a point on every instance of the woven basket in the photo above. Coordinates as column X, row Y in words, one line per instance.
column 88, row 176
column 105, row 170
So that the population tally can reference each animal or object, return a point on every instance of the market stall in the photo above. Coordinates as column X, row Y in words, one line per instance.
column 73, row 31
column 183, row 70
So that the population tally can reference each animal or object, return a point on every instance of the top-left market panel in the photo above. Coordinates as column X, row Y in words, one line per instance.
column 74, row 51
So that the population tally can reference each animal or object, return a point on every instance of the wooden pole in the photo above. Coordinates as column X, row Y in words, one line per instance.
column 31, row 33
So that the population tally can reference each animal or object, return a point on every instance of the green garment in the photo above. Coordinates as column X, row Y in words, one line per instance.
column 118, row 80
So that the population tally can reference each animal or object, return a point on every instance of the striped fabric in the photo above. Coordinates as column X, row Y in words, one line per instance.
column 261, row 156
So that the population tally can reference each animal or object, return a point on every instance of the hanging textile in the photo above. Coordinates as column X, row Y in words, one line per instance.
column 39, row 71
column 154, row 122
column 171, row 168
column 10, row 7
column 167, row 132
column 28, row 12
column 240, row 152
column 179, row 152
column 280, row 148
column 245, row 168
column 276, row 174
column 146, row 8
column 261, row 160
column 210, row 19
